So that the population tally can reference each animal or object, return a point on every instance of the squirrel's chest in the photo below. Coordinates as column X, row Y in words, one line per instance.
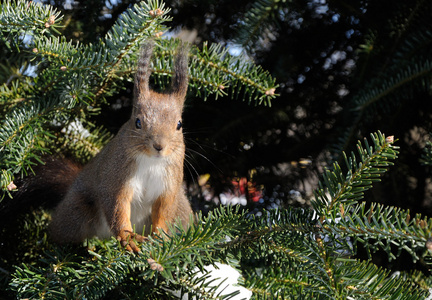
column 148, row 182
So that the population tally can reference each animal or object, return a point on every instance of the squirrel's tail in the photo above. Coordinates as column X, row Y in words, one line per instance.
column 46, row 188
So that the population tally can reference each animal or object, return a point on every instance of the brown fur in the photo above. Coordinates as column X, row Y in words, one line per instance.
column 136, row 180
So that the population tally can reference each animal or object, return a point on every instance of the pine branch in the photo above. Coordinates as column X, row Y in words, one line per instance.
column 282, row 240
column 411, row 75
column 276, row 224
column 63, row 276
column 337, row 191
column 317, row 266
column 364, row 280
column 101, row 62
column 214, row 71
column 210, row 232
column 131, row 24
column 22, row 135
column 102, row 276
column 165, row 262
column 377, row 227
column 382, row 227
column 19, row 18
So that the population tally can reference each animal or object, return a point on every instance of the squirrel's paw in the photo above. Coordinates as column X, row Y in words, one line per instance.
column 128, row 240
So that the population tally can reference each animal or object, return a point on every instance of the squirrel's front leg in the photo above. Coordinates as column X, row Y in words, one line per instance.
column 120, row 222
column 163, row 212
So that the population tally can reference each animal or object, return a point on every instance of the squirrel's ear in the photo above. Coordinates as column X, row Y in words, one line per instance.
column 142, row 76
column 179, row 83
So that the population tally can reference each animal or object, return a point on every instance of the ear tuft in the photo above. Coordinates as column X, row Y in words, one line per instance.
column 143, row 72
column 179, row 83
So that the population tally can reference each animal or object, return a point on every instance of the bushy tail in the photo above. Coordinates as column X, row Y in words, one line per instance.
column 45, row 188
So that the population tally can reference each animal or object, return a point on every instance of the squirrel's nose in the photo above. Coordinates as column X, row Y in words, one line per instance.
column 157, row 147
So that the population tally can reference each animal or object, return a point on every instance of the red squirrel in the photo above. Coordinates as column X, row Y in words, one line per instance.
column 137, row 178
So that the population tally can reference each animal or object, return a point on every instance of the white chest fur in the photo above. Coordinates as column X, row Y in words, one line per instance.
column 148, row 183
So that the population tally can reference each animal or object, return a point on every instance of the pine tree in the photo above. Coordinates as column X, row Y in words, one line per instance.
column 293, row 253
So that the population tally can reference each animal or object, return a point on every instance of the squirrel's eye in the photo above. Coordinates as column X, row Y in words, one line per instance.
column 138, row 123
column 179, row 125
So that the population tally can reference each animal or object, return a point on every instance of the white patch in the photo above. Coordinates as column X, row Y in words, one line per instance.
column 430, row 294
column 225, row 278
column 148, row 183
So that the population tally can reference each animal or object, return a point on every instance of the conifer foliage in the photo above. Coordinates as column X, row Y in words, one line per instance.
column 287, row 253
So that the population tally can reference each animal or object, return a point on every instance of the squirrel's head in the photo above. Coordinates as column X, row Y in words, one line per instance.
column 156, row 122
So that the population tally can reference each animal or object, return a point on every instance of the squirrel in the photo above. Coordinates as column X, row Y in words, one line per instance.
column 136, row 180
